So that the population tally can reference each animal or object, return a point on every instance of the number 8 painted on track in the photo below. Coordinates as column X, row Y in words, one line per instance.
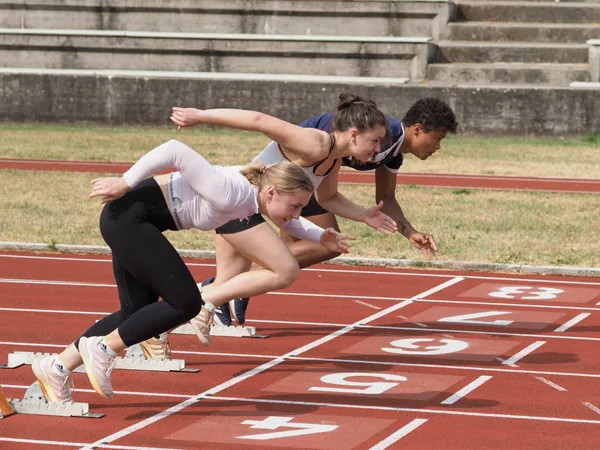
column 542, row 293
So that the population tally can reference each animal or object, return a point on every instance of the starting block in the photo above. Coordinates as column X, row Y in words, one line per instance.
column 133, row 360
column 6, row 408
column 221, row 330
column 35, row 402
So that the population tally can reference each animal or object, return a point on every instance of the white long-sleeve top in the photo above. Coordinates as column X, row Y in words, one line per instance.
column 204, row 196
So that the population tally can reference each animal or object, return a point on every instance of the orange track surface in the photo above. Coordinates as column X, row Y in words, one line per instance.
column 531, row 383
column 578, row 185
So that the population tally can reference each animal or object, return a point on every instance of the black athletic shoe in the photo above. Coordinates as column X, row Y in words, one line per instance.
column 237, row 309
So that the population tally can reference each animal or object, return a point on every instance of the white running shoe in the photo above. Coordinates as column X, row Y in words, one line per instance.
column 202, row 322
column 98, row 364
column 57, row 388
column 157, row 348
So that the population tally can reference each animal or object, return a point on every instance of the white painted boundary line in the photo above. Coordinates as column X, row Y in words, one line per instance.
column 381, row 262
column 412, row 410
column 91, row 391
column 395, row 437
column 349, row 406
column 575, row 320
column 351, row 361
column 551, row 384
column 592, row 407
column 354, row 406
column 144, row 423
column 323, row 324
column 526, row 351
column 302, row 294
column 79, row 444
column 466, row 390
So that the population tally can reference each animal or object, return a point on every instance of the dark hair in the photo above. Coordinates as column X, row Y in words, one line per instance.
column 354, row 112
column 431, row 114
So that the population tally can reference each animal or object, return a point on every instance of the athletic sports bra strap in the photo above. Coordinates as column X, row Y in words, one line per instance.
column 332, row 136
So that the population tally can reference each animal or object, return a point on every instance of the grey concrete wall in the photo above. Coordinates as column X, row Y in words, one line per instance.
column 120, row 100
column 356, row 18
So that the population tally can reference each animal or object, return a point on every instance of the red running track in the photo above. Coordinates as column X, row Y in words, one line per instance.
column 574, row 185
column 357, row 358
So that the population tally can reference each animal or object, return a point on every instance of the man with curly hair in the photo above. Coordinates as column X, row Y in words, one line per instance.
column 420, row 132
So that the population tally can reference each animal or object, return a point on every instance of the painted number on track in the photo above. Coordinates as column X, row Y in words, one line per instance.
column 425, row 346
column 471, row 319
column 276, row 422
column 361, row 387
column 527, row 292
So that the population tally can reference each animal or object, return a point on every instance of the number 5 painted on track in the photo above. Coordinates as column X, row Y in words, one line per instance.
column 275, row 422
column 469, row 318
column 369, row 387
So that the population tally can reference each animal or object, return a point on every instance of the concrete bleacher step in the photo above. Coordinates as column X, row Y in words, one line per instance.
column 363, row 18
column 509, row 73
column 522, row 11
column 522, row 32
column 211, row 52
column 157, row 75
column 524, row 52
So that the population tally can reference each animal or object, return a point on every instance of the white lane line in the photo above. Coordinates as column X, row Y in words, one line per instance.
column 442, row 412
column 466, row 390
column 91, row 391
column 422, row 325
column 353, row 361
column 327, row 296
column 396, row 436
column 78, row 444
column 592, row 407
column 366, row 304
column 354, row 271
column 526, row 351
column 574, row 321
column 402, row 329
column 174, row 409
column 551, row 384
column 365, row 407
column 57, row 311
column 341, row 405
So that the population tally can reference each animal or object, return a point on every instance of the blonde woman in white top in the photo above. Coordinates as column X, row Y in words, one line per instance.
column 146, row 265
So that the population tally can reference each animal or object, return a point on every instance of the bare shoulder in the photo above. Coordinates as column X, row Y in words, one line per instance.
column 311, row 147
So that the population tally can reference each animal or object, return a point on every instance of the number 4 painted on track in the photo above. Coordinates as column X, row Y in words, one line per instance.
column 275, row 422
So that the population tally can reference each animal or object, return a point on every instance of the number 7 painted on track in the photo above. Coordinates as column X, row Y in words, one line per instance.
column 469, row 318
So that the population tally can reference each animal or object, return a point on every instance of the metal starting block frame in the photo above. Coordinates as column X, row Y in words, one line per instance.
column 34, row 402
column 133, row 360
column 222, row 330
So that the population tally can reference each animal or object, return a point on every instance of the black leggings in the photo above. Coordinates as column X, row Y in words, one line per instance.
column 146, row 267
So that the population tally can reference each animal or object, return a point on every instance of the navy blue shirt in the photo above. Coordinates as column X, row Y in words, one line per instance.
column 390, row 157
